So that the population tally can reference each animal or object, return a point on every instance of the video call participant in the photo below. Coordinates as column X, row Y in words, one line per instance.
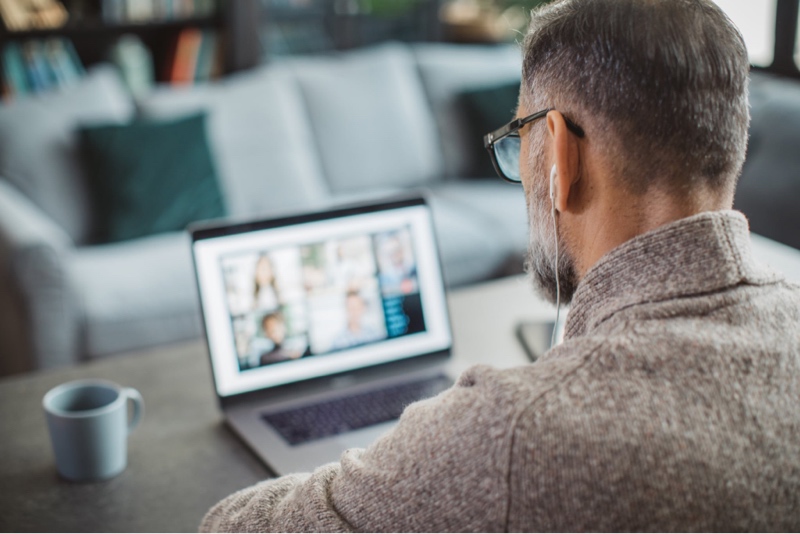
column 359, row 329
column 672, row 404
column 265, row 292
column 397, row 273
column 274, row 327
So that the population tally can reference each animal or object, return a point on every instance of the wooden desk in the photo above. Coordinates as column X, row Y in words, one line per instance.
column 182, row 459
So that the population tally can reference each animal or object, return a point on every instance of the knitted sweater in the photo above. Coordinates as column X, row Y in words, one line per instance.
column 673, row 404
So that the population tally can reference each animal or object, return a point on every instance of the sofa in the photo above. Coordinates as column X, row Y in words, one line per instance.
column 769, row 188
column 296, row 135
column 291, row 136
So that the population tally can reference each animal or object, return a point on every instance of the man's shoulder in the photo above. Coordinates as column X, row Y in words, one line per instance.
column 660, row 377
column 654, row 404
column 520, row 386
column 650, row 358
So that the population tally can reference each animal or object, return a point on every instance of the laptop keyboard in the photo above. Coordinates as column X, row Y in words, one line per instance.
column 329, row 418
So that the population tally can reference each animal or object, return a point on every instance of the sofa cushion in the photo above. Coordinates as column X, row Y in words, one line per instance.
column 487, row 232
column 487, row 109
column 499, row 205
column 136, row 293
column 372, row 123
column 448, row 71
column 769, row 187
column 469, row 249
column 39, row 144
column 38, row 310
column 150, row 177
column 260, row 137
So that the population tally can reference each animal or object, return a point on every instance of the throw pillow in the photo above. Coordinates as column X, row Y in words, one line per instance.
column 370, row 118
column 150, row 177
column 487, row 109
column 39, row 145
column 259, row 136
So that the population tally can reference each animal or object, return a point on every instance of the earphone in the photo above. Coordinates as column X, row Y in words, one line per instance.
column 553, row 173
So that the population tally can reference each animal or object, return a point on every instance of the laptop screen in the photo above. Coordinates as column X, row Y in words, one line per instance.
column 303, row 297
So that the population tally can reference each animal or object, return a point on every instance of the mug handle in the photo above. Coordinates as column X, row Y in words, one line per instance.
column 138, row 407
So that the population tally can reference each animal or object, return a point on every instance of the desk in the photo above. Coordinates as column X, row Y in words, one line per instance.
column 182, row 459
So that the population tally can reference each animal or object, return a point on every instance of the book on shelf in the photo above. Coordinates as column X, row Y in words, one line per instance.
column 113, row 11
column 135, row 64
column 53, row 55
column 40, row 76
column 139, row 10
column 22, row 15
column 15, row 78
column 184, row 61
column 207, row 57
column 39, row 65
column 122, row 11
column 290, row 5
column 287, row 38
column 72, row 59
column 195, row 57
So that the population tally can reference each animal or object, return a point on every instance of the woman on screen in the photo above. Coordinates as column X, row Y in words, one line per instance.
column 265, row 295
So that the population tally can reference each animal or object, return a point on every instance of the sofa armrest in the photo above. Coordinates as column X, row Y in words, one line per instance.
column 39, row 319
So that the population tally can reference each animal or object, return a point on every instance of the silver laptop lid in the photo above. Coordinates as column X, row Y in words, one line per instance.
column 302, row 297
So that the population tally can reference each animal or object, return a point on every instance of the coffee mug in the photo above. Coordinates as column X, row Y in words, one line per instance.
column 89, row 427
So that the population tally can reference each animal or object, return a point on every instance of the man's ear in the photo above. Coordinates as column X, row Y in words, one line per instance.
column 566, row 156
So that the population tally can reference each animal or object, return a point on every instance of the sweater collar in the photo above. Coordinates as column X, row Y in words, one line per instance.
column 704, row 253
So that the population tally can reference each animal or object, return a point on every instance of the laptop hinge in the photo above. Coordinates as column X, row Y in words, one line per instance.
column 341, row 381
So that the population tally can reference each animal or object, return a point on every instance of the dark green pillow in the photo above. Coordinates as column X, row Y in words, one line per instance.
column 485, row 110
column 150, row 177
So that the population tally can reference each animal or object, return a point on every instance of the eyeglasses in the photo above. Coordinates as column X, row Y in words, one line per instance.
column 503, row 145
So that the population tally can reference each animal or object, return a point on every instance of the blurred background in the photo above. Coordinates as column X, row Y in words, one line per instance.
column 144, row 37
column 122, row 121
column 245, row 33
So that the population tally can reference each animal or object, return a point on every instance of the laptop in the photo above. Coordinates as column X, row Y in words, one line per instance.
column 322, row 327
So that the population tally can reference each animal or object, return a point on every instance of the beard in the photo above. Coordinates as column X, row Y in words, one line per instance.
column 540, row 263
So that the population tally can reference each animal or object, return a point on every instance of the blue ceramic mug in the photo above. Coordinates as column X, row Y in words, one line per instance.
column 89, row 427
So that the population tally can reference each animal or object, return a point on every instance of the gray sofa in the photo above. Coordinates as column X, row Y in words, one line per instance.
column 290, row 136
column 769, row 188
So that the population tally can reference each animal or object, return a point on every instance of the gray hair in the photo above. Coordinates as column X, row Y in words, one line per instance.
column 660, row 84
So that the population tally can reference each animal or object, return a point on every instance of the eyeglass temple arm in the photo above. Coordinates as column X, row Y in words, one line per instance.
column 490, row 138
column 574, row 128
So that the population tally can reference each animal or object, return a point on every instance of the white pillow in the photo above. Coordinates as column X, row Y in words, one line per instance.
column 39, row 152
column 371, row 120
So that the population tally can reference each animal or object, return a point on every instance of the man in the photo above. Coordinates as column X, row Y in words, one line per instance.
column 358, row 328
column 274, row 327
column 397, row 273
column 673, row 402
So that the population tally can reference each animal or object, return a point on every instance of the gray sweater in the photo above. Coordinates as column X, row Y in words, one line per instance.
column 673, row 404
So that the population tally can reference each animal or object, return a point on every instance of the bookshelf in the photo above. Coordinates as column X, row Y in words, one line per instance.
column 260, row 31
column 247, row 32
column 94, row 28
column 291, row 27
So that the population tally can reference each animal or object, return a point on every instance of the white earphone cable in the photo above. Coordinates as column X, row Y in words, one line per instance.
column 558, row 284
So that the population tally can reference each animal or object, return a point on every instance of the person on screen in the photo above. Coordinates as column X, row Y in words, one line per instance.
column 398, row 272
column 672, row 403
column 265, row 294
column 274, row 327
column 236, row 292
column 359, row 329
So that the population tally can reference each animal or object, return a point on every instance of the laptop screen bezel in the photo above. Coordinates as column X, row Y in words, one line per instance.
column 211, row 230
